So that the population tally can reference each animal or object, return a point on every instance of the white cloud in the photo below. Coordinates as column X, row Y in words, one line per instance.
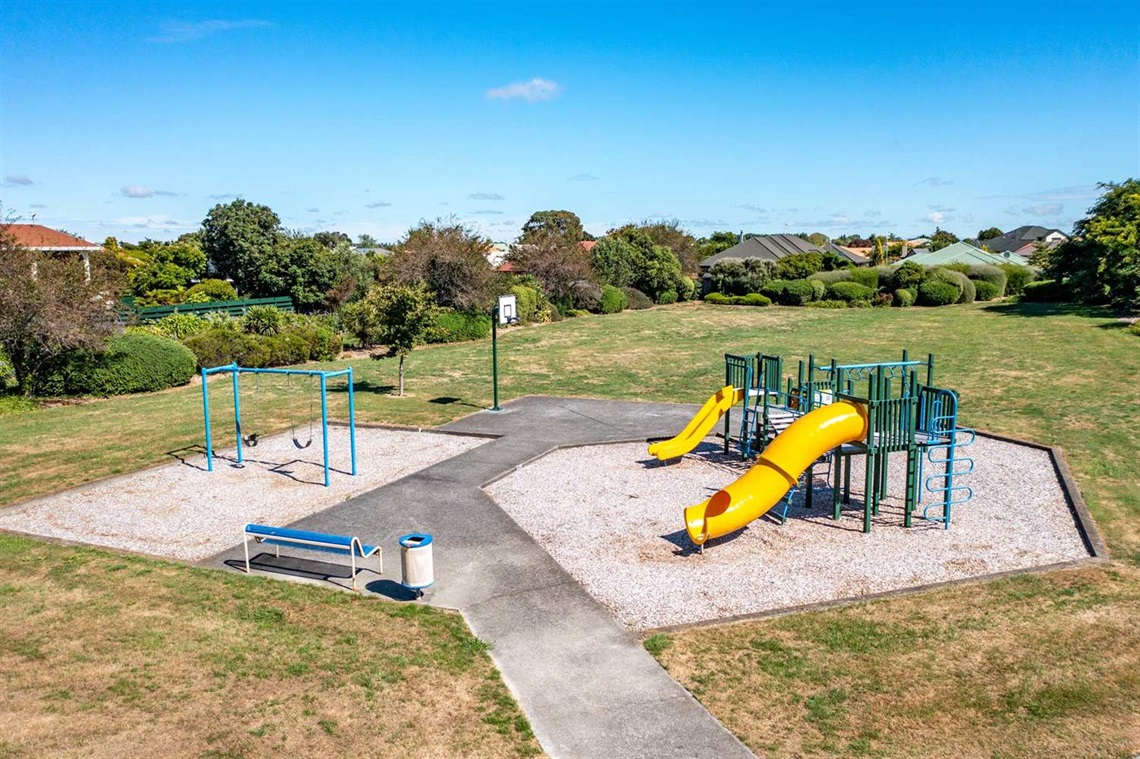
column 937, row 217
column 18, row 180
column 533, row 91
column 484, row 196
column 156, row 221
column 137, row 191
column 192, row 31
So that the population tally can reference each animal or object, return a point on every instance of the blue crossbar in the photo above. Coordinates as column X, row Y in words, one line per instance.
column 344, row 545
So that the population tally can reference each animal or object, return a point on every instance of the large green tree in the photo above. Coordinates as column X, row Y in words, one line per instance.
column 450, row 259
column 989, row 233
column 565, row 224
column 656, row 269
column 239, row 238
column 398, row 316
column 559, row 263
column 941, row 239
column 166, row 265
column 716, row 242
column 671, row 235
column 1101, row 263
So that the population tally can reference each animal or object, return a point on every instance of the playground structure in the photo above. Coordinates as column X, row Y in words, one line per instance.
column 243, row 439
column 823, row 416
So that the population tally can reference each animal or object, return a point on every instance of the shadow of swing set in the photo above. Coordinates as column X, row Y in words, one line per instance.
column 243, row 440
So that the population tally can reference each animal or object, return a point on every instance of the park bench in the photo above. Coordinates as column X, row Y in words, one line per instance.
column 345, row 545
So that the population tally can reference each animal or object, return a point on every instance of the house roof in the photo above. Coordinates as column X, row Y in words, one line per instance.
column 764, row 247
column 963, row 253
column 39, row 237
column 847, row 254
column 1017, row 239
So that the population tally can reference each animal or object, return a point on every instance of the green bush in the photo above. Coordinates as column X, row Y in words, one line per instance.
column 457, row 326
column 985, row 290
column 527, row 299
column 1045, row 291
column 177, row 326
column 751, row 299
column 734, row 276
column 959, row 281
column 908, row 275
column 818, row 289
column 667, row 297
column 321, row 340
column 969, row 291
column 1134, row 328
column 934, row 292
column 961, row 268
column 1017, row 278
column 798, row 265
column 992, row 274
column 686, row 288
column 576, row 312
column 904, row 297
column 867, row 276
column 831, row 277
column 262, row 320
column 637, row 299
column 774, row 289
column 849, row 292
column 129, row 364
column 797, row 292
column 828, row 304
column 189, row 298
column 213, row 289
column 613, row 300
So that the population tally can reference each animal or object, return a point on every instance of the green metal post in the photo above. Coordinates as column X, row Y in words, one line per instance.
column 495, row 358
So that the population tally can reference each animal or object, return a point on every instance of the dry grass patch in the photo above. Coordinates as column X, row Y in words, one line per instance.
column 104, row 655
column 1031, row 666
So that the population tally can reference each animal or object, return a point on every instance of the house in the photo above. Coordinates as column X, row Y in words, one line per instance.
column 772, row 248
column 52, row 241
column 1023, row 240
column 963, row 253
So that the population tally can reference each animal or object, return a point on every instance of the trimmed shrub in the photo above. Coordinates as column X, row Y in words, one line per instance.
column 818, row 289
column 986, row 290
column 576, row 312
column 1134, row 328
column 457, row 326
column 831, row 277
column 213, row 289
column 849, row 292
column 799, row 265
column 934, row 292
column 991, row 274
column 321, row 341
column 178, row 326
column 751, row 299
column 908, row 275
column 667, row 297
column 959, row 280
column 961, row 268
column 1017, row 278
column 613, row 300
column 527, row 299
column 828, row 304
column 263, row 320
column 637, row 299
column 585, row 295
column 1045, row 291
column 774, row 289
column 686, row 288
column 734, row 276
column 969, row 291
column 866, row 276
column 904, row 297
column 129, row 364
column 797, row 292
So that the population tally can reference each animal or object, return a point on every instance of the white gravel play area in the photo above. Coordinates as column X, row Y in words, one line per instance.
column 612, row 517
column 180, row 510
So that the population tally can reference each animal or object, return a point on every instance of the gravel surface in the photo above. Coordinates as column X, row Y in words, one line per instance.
column 613, row 518
column 182, row 511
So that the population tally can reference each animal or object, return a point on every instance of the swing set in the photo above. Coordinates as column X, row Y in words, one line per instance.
column 250, row 439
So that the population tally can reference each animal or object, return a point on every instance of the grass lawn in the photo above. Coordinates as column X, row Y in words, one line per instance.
column 1028, row 667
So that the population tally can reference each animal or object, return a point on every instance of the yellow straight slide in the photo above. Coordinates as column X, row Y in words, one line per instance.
column 776, row 471
column 695, row 431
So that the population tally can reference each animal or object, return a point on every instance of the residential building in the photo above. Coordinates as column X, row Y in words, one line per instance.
column 963, row 253
column 1023, row 240
column 53, row 241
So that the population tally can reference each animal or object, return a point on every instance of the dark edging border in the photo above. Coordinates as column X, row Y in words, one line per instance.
column 410, row 428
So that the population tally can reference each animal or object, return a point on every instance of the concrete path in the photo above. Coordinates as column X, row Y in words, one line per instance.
column 586, row 684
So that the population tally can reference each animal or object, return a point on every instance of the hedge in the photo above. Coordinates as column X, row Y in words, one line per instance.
column 613, row 300
column 794, row 292
column 752, row 299
column 129, row 364
column 457, row 326
column 849, row 292
column 986, row 290
column 866, row 276
column 213, row 289
column 956, row 279
column 1018, row 278
column 1045, row 291
column 908, row 275
column 296, row 344
column 829, row 304
column 527, row 300
column 667, row 297
column 934, row 292
column 831, row 277
column 637, row 299
column 990, row 274
column 904, row 297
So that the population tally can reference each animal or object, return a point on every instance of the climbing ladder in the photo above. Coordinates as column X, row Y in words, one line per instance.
column 943, row 441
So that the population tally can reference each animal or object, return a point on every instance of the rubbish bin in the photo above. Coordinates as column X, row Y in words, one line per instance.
column 416, row 561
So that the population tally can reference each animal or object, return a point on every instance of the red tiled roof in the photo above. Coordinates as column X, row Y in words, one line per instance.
column 588, row 245
column 39, row 236
column 505, row 266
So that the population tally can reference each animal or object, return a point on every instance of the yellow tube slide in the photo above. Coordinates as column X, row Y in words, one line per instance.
column 695, row 431
column 776, row 471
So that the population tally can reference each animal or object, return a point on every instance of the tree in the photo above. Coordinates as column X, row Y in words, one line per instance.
column 559, row 263
column 669, row 234
column 367, row 241
column 716, row 242
column 331, row 239
column 166, row 265
column 615, row 260
column 941, row 239
column 48, row 307
column 799, row 265
column 818, row 239
column 878, row 253
column 656, row 269
column 398, row 316
column 450, row 259
column 1101, row 262
column 989, row 234
column 564, row 224
column 238, row 238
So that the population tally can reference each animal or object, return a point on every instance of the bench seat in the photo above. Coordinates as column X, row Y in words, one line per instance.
column 343, row 545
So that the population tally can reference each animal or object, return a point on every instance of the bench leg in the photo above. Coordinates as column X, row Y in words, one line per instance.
column 246, row 544
column 352, row 554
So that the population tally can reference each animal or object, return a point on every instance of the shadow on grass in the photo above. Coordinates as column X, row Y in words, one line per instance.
column 1051, row 309
column 363, row 386
column 308, row 569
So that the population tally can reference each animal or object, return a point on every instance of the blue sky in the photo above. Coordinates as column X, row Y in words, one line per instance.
column 133, row 119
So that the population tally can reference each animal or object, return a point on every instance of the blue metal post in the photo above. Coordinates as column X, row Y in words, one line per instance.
column 206, row 415
column 237, row 411
column 352, row 419
column 325, row 427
